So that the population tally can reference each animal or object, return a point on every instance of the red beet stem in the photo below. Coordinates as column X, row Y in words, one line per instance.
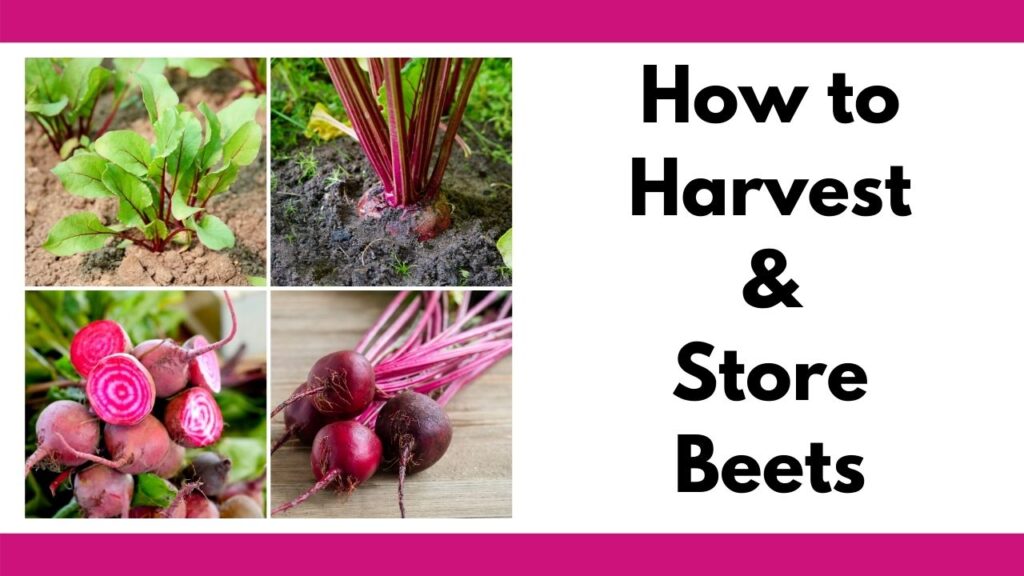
column 296, row 396
column 112, row 464
column 280, row 441
column 393, row 330
column 323, row 483
column 220, row 343
column 388, row 312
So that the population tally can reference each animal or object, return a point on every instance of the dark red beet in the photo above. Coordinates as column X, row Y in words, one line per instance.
column 301, row 420
column 210, row 470
column 340, row 385
column 344, row 454
column 415, row 433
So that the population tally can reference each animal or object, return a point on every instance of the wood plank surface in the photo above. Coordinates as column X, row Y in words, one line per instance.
column 473, row 480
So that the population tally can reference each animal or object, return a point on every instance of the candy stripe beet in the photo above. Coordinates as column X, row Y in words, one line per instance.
column 96, row 341
column 193, row 418
column 120, row 390
column 203, row 370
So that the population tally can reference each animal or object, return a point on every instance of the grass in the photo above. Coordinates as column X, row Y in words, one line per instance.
column 399, row 266
column 308, row 163
column 337, row 176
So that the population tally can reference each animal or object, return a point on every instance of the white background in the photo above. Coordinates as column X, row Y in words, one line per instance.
column 929, row 305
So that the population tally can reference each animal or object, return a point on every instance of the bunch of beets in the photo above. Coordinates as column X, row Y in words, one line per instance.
column 146, row 404
column 381, row 404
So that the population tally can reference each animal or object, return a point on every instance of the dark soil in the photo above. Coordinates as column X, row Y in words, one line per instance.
column 318, row 240
column 242, row 208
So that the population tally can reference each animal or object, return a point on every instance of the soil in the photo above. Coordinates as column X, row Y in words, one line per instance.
column 242, row 208
column 317, row 239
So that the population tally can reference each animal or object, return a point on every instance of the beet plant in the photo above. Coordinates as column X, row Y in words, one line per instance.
column 120, row 390
column 162, row 187
column 61, row 95
column 95, row 341
column 421, row 353
column 406, row 115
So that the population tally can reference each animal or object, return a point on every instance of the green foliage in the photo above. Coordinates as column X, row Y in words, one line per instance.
column 299, row 84
column 61, row 95
column 162, row 187
column 504, row 245
column 400, row 267
column 308, row 163
column 152, row 490
column 52, row 317
column 490, row 105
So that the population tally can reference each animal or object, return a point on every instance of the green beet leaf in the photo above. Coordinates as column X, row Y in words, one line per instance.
column 82, row 175
column 217, row 181
column 244, row 144
column 191, row 138
column 79, row 232
column 134, row 197
column 157, row 94
column 152, row 490
column 126, row 149
column 214, row 234
column 210, row 153
column 239, row 112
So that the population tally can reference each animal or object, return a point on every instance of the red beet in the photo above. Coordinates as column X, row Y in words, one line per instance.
column 120, row 390
column 203, row 370
column 103, row 493
column 64, row 430
column 340, row 385
column 344, row 454
column 415, row 433
column 170, row 364
column 301, row 420
column 172, row 462
column 95, row 341
column 199, row 506
column 193, row 418
column 133, row 449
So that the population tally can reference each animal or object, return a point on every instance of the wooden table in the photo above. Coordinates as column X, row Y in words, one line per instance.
column 473, row 480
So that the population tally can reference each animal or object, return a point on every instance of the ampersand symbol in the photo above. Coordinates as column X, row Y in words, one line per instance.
column 768, row 277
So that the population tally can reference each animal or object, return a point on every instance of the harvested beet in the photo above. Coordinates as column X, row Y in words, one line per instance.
column 133, row 449
column 344, row 454
column 203, row 370
column 95, row 341
column 193, row 418
column 64, row 430
column 170, row 364
column 172, row 462
column 199, row 506
column 415, row 433
column 103, row 493
column 340, row 385
column 301, row 420
column 240, row 506
column 210, row 471
column 120, row 390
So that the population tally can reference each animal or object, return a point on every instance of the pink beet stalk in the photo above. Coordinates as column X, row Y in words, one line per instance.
column 193, row 418
column 95, row 341
column 120, row 390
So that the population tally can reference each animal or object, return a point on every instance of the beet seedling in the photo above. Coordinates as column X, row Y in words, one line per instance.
column 162, row 187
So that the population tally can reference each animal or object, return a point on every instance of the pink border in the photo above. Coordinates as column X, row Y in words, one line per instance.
column 478, row 554
column 519, row 21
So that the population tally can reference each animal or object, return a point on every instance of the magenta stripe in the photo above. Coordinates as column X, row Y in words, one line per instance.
column 529, row 21
column 475, row 554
